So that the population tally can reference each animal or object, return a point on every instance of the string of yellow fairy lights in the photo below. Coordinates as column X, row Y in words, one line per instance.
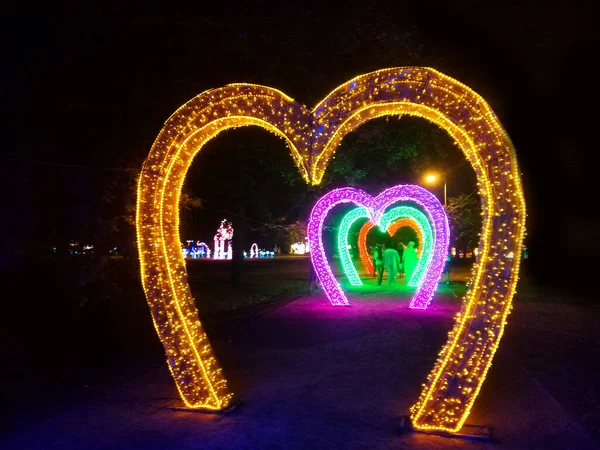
column 313, row 137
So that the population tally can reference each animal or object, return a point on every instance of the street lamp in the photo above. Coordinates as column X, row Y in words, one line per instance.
column 432, row 178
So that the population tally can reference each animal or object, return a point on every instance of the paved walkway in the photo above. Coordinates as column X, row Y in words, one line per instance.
column 310, row 376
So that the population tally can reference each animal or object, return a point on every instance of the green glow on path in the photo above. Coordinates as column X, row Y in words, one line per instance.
column 343, row 250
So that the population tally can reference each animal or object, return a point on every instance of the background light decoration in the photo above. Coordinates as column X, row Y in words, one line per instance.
column 375, row 208
column 254, row 251
column 203, row 249
column 312, row 137
column 224, row 234
column 300, row 248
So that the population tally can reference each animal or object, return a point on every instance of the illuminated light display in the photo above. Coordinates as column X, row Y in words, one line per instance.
column 73, row 246
column 224, row 234
column 202, row 249
column 300, row 248
column 434, row 244
column 363, row 250
column 312, row 137
column 199, row 250
column 366, row 257
column 255, row 252
column 347, row 264
column 408, row 223
column 343, row 250
column 429, row 269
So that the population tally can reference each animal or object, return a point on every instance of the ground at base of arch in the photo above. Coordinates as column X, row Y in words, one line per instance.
column 309, row 375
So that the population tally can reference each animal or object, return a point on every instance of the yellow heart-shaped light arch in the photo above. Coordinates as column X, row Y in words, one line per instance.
column 313, row 137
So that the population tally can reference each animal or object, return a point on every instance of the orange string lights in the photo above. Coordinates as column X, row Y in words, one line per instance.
column 366, row 257
column 409, row 223
column 312, row 137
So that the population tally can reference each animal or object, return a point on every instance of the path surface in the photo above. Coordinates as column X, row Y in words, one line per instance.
column 310, row 376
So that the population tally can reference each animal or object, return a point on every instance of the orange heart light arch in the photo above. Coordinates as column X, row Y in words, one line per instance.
column 366, row 258
column 312, row 137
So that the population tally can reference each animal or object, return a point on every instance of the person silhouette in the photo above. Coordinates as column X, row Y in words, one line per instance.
column 391, row 263
column 409, row 260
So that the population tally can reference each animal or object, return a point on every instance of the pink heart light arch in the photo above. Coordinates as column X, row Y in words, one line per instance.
column 375, row 207
column 312, row 137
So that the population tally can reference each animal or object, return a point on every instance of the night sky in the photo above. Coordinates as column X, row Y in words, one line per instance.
column 91, row 86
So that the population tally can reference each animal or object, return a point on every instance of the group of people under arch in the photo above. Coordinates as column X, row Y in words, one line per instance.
column 397, row 261
column 400, row 261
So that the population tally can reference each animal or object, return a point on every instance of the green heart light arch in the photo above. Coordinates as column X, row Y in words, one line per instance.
column 399, row 212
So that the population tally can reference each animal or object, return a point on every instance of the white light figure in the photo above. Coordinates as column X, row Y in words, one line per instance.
column 218, row 254
column 254, row 251
column 300, row 248
column 224, row 233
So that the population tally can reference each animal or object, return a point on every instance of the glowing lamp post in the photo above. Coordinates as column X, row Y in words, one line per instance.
column 433, row 178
